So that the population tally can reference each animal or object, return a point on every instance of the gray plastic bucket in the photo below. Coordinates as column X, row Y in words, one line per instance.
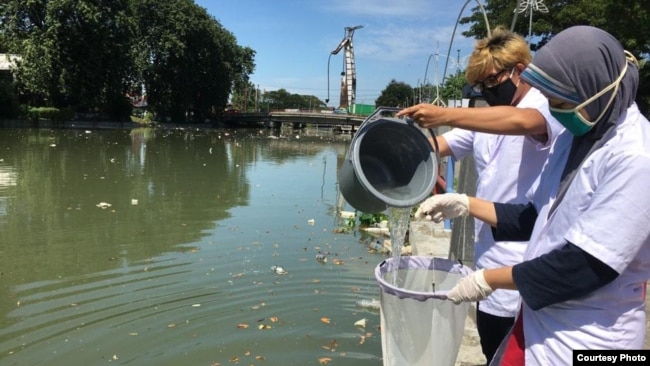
column 419, row 326
column 391, row 163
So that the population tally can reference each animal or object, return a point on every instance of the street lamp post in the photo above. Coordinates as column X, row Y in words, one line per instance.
column 457, row 62
column 427, row 68
column 487, row 25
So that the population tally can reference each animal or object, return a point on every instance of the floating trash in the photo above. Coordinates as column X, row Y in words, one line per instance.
column 376, row 245
column 103, row 205
column 369, row 304
column 360, row 323
column 321, row 257
column 347, row 214
column 279, row 270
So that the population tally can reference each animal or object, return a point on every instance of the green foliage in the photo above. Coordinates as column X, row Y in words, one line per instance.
column 148, row 116
column 396, row 94
column 643, row 94
column 87, row 54
column 365, row 220
column 349, row 224
column 282, row 99
column 369, row 220
column 453, row 86
column 48, row 113
column 74, row 53
column 188, row 61
column 450, row 90
column 628, row 21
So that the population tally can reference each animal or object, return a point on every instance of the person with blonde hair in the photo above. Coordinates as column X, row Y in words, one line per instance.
column 507, row 165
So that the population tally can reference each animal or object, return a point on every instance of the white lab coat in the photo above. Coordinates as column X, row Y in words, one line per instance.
column 605, row 212
column 507, row 167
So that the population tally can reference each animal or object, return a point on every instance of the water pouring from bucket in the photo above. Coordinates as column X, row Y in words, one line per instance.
column 390, row 165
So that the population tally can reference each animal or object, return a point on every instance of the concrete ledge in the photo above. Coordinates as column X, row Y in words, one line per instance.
column 429, row 239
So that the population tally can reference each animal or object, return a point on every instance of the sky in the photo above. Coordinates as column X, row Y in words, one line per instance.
column 293, row 40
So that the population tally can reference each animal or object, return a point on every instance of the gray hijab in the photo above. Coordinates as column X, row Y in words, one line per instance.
column 575, row 65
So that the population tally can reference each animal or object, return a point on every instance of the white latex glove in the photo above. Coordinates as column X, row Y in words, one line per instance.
column 470, row 288
column 443, row 206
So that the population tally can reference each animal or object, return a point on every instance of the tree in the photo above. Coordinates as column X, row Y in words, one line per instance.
column 628, row 21
column 189, row 62
column 242, row 87
column 75, row 53
column 87, row 54
column 396, row 94
column 452, row 87
column 282, row 99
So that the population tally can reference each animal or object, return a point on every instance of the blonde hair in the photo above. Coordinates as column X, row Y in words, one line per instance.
column 503, row 49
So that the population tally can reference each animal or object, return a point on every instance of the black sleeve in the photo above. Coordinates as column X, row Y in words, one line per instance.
column 560, row 275
column 515, row 222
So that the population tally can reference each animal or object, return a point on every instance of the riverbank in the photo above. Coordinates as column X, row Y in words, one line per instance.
column 104, row 125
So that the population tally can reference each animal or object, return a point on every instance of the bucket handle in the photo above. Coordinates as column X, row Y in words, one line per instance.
column 377, row 113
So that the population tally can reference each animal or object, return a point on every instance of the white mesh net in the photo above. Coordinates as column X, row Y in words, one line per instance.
column 419, row 327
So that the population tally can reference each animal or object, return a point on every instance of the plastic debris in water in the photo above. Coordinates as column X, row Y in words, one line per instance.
column 378, row 247
column 369, row 304
column 320, row 257
column 279, row 270
column 360, row 323
column 103, row 205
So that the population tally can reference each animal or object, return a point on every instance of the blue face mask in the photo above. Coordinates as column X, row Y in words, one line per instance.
column 573, row 121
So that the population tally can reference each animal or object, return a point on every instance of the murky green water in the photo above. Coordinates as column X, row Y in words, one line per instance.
column 155, row 247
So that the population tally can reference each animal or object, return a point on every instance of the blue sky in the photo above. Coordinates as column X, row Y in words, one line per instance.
column 294, row 38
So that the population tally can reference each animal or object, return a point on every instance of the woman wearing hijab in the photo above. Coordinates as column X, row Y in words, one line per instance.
column 584, row 276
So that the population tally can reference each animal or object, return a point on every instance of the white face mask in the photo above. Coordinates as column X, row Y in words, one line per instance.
column 574, row 121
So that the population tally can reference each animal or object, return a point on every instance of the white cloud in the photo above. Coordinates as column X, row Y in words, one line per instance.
column 394, row 42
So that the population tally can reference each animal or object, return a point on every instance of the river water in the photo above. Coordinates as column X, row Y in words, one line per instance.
column 155, row 247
